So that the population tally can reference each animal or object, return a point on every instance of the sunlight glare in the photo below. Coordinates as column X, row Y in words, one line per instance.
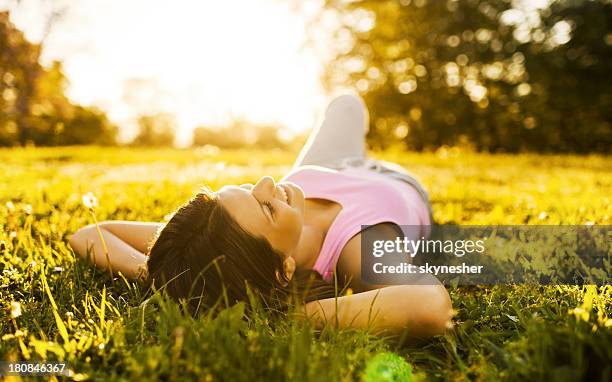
column 207, row 62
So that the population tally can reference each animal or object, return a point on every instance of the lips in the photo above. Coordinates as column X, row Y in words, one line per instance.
column 287, row 193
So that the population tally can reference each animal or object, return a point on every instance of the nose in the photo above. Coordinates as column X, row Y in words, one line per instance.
column 264, row 188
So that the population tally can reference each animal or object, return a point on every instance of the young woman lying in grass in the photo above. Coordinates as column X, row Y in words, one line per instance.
column 301, row 234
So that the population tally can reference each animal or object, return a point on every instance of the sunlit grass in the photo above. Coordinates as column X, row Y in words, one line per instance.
column 56, row 306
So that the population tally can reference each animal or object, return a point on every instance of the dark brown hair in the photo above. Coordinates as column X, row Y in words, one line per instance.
column 202, row 254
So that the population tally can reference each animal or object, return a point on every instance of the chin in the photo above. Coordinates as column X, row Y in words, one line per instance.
column 298, row 196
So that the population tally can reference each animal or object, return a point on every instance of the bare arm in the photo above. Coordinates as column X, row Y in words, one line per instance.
column 418, row 310
column 126, row 243
column 136, row 234
column 421, row 309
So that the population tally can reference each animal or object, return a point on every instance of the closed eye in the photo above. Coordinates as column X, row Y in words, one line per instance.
column 271, row 210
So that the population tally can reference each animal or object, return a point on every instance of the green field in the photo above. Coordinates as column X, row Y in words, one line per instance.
column 107, row 330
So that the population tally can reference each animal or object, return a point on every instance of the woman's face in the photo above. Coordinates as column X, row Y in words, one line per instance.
column 269, row 210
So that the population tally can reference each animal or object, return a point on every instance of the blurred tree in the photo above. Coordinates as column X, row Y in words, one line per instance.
column 221, row 137
column 20, row 70
column 88, row 125
column 496, row 74
column 569, row 61
column 268, row 137
column 239, row 134
column 33, row 105
column 156, row 130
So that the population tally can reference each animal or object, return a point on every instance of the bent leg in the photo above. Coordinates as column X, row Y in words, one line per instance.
column 340, row 136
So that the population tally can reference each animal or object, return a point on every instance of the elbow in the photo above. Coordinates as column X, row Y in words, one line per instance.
column 438, row 317
column 72, row 241
column 429, row 314
column 78, row 240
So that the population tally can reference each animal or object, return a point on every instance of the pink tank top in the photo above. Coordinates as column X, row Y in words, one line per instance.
column 367, row 198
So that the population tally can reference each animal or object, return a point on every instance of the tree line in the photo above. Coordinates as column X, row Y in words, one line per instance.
column 491, row 74
column 159, row 130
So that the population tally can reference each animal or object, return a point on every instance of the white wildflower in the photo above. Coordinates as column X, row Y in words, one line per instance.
column 10, row 206
column 90, row 201
column 15, row 309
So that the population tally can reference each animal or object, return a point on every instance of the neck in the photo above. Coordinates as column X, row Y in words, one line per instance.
column 308, row 247
column 318, row 217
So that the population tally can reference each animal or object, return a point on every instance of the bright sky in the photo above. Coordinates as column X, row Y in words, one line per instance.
column 205, row 61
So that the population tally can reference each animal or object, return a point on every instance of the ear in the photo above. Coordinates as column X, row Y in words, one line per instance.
column 288, row 269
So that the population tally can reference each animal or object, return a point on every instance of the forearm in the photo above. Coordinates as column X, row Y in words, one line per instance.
column 135, row 233
column 419, row 310
column 123, row 257
column 359, row 311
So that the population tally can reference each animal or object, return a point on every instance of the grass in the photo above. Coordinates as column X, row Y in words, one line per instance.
column 72, row 311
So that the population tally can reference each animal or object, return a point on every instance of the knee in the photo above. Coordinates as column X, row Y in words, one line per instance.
column 348, row 100
column 351, row 104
